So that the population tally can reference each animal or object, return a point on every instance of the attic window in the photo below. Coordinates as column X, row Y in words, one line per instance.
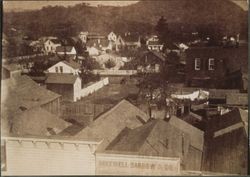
column 22, row 108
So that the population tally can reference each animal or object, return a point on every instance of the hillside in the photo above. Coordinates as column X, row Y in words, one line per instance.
column 140, row 17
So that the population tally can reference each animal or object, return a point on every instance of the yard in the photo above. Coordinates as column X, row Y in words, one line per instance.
column 88, row 108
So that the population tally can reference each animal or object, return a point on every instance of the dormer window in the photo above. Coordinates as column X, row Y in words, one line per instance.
column 211, row 64
column 197, row 64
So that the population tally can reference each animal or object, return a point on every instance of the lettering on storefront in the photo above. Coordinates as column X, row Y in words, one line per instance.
column 128, row 166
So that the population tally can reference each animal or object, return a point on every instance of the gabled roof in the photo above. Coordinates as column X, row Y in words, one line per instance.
column 172, row 46
column 20, row 94
column 155, row 43
column 197, row 136
column 64, row 48
column 72, row 64
column 97, row 42
column 158, row 55
column 55, row 41
column 130, row 37
column 23, row 91
column 162, row 137
column 56, row 78
column 108, row 125
column 12, row 67
column 226, row 120
column 38, row 121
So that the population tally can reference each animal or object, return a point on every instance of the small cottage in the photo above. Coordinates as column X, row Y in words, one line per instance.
column 67, row 85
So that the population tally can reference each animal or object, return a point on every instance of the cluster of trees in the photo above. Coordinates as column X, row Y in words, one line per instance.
column 140, row 17
column 169, row 33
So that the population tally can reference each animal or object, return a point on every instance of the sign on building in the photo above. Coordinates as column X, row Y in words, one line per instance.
column 117, row 164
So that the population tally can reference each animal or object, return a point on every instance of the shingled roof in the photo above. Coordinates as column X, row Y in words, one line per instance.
column 64, row 48
column 155, row 43
column 20, row 94
column 23, row 91
column 108, row 125
column 72, row 64
column 229, row 119
column 131, row 38
column 38, row 121
column 157, row 138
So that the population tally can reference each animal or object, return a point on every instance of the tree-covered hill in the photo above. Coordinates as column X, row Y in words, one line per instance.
column 140, row 17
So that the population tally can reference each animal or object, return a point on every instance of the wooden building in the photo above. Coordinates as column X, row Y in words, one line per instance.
column 39, row 155
column 227, row 143
column 212, row 67
column 67, row 85
column 173, row 138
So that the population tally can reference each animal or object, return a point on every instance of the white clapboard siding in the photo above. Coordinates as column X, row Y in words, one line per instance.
column 41, row 158
column 66, row 69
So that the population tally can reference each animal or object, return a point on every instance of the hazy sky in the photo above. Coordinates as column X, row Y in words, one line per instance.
column 30, row 5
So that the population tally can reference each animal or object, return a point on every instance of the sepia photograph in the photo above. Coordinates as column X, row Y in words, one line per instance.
column 124, row 88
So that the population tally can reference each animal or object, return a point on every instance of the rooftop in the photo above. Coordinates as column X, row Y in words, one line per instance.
column 56, row 78
column 231, row 118
column 154, row 43
column 12, row 67
column 237, row 99
column 112, row 122
column 197, row 136
column 72, row 64
column 22, row 91
column 130, row 37
column 55, row 41
column 64, row 48
column 98, row 42
column 158, row 137
column 39, row 122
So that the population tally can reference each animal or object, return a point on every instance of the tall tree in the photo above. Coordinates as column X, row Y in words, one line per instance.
column 162, row 30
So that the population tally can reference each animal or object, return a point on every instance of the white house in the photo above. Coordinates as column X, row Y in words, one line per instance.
column 153, row 43
column 65, row 67
column 50, row 45
column 67, row 85
column 93, row 51
column 112, row 36
column 83, row 36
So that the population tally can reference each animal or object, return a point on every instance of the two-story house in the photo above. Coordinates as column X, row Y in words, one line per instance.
column 65, row 67
column 153, row 43
column 128, row 41
column 210, row 67
column 112, row 36
column 50, row 45
column 151, row 61
column 83, row 36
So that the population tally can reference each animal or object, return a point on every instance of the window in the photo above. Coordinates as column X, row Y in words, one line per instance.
column 197, row 65
column 211, row 64
column 61, row 69
column 56, row 69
